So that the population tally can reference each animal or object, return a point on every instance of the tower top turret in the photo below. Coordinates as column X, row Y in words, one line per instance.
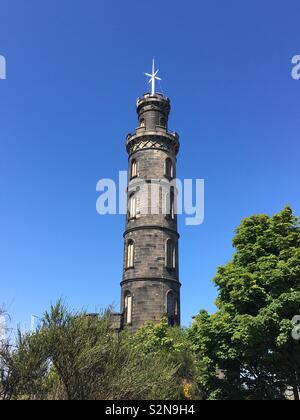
column 153, row 111
column 157, row 102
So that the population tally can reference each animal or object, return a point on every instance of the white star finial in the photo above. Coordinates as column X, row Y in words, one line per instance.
column 153, row 77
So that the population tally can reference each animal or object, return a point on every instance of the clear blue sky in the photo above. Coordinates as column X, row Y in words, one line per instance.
column 74, row 70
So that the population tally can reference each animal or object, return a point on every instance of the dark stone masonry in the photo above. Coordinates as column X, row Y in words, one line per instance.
column 150, row 284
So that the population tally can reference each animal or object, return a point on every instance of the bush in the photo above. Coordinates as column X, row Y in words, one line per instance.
column 79, row 357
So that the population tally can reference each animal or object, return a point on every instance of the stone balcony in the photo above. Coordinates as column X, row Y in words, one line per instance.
column 158, row 131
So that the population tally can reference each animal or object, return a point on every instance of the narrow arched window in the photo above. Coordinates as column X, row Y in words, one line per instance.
column 172, row 203
column 168, row 253
column 169, row 209
column 171, row 254
column 169, row 168
column 174, row 256
column 130, row 254
column 128, row 308
column 142, row 123
column 172, row 308
column 134, row 172
column 132, row 207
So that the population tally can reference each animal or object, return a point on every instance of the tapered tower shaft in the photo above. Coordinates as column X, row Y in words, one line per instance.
column 150, row 284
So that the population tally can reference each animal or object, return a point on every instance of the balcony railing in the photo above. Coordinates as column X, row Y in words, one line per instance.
column 148, row 95
column 158, row 129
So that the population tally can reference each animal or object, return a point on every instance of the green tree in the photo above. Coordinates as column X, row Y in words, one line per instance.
column 250, row 337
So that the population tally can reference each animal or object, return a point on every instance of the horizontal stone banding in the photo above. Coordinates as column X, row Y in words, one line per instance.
column 152, row 227
column 157, row 279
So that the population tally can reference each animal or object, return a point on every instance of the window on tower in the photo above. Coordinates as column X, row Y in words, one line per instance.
column 169, row 168
column 172, row 204
column 170, row 254
column 132, row 207
column 172, row 308
column 128, row 308
column 130, row 254
column 134, row 172
column 169, row 209
column 142, row 123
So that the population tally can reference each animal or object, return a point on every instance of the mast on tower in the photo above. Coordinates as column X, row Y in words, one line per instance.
column 153, row 77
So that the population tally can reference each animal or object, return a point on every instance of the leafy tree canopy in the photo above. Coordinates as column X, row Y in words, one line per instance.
column 250, row 337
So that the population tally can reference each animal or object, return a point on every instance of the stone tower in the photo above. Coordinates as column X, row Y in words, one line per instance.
column 150, row 284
